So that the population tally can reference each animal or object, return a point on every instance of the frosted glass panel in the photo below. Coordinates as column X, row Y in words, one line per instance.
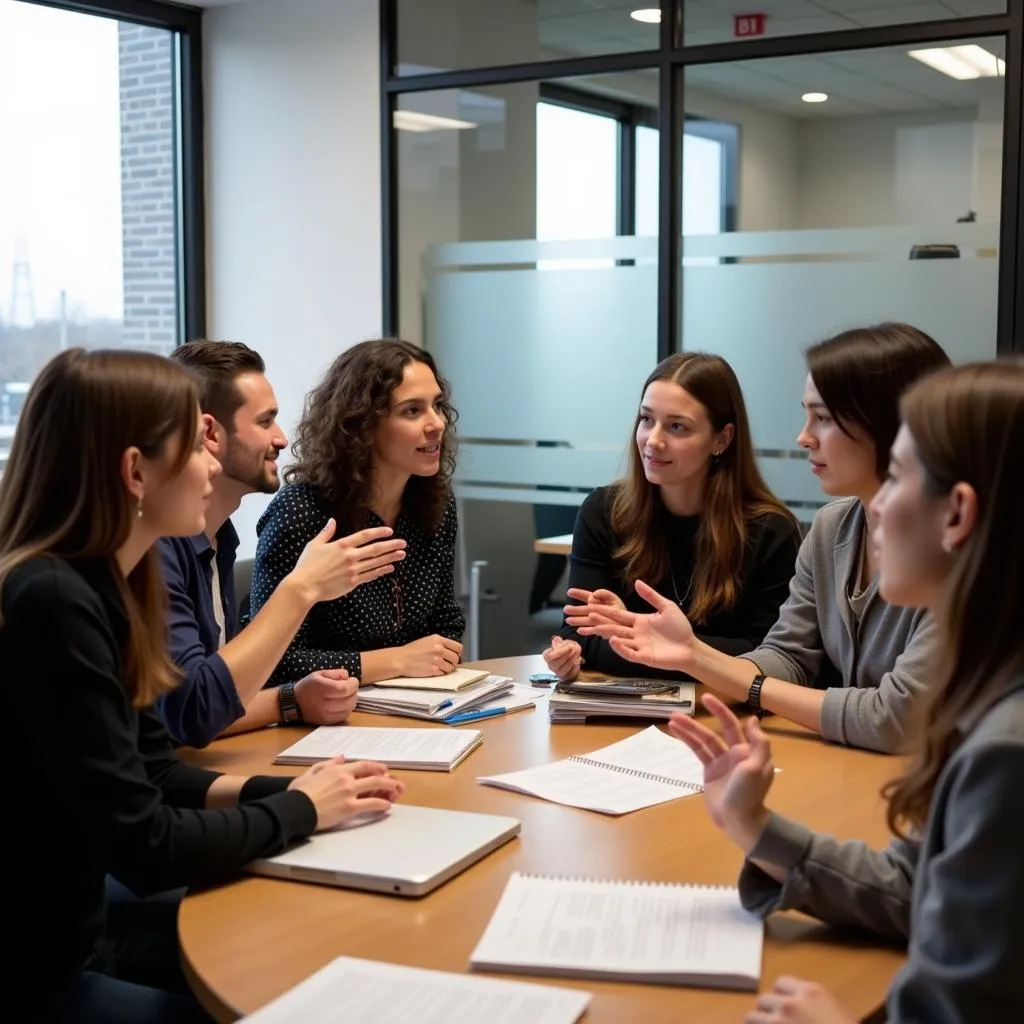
column 761, row 314
column 546, row 362
column 787, row 290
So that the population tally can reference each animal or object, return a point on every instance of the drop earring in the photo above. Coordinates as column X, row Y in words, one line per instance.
column 138, row 509
column 947, row 546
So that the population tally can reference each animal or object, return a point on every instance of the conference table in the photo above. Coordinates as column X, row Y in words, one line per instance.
column 561, row 545
column 246, row 942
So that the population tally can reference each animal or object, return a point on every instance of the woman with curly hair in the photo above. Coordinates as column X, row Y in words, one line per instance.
column 375, row 447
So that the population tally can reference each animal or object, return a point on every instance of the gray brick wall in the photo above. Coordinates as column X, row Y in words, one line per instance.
column 148, row 214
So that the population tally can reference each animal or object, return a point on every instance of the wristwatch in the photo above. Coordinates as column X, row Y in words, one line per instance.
column 287, row 704
column 754, row 696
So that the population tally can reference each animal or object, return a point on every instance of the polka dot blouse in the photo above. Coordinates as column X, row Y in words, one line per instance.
column 416, row 600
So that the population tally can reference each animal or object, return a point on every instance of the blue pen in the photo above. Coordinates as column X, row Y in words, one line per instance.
column 475, row 716
column 445, row 704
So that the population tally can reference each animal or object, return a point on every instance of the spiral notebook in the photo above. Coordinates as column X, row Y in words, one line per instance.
column 648, row 768
column 623, row 931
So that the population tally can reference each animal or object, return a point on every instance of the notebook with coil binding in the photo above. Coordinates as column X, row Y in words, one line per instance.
column 646, row 769
column 643, row 932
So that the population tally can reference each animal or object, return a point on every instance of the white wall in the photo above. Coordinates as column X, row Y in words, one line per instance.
column 292, row 189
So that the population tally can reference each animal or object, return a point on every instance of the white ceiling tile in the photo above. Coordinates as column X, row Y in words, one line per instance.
column 977, row 7
column 854, row 6
column 899, row 15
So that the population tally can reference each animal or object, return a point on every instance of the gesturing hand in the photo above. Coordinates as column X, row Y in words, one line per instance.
column 662, row 639
column 563, row 658
column 604, row 598
column 326, row 697
column 340, row 791
column 329, row 568
column 429, row 656
column 794, row 1001
column 738, row 770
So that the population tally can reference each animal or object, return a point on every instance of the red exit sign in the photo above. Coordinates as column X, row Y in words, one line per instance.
column 746, row 25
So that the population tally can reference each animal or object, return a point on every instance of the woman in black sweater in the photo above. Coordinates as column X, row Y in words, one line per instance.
column 692, row 512
column 108, row 457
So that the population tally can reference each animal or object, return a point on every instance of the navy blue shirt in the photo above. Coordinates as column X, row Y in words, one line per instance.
column 206, row 701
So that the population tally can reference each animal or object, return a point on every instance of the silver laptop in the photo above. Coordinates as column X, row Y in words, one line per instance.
column 409, row 851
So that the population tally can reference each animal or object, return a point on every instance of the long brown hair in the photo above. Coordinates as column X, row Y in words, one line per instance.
column 861, row 374
column 333, row 445
column 735, row 493
column 967, row 425
column 62, row 491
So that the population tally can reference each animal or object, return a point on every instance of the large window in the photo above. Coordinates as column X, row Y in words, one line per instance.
column 90, row 207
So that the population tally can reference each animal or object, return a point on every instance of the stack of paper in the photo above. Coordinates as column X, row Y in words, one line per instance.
column 578, row 707
column 457, row 679
column 432, row 705
column 623, row 931
column 646, row 769
column 438, row 750
column 349, row 991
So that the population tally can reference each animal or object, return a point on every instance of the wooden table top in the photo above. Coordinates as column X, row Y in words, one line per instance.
column 247, row 942
column 561, row 545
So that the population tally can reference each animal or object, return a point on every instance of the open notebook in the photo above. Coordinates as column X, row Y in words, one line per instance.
column 438, row 750
column 623, row 931
column 646, row 769
column 350, row 991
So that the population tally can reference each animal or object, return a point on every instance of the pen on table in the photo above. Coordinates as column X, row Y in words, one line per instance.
column 474, row 716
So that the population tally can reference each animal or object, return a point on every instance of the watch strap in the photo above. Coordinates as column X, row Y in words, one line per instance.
column 287, row 705
column 754, row 695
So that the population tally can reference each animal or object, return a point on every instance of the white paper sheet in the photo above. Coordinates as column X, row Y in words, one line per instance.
column 350, row 991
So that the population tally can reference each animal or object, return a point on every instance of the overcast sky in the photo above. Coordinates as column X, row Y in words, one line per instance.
column 60, row 163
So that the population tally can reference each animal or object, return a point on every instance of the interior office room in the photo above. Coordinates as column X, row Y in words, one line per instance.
column 549, row 197
column 511, row 217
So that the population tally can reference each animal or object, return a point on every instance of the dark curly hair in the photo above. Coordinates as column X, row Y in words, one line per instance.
column 333, row 445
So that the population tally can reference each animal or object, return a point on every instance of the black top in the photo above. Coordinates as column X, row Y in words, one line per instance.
column 98, row 789
column 416, row 600
column 772, row 544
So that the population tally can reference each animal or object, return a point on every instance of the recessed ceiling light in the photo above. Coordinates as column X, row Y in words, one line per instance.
column 962, row 62
column 648, row 15
column 414, row 121
column 814, row 97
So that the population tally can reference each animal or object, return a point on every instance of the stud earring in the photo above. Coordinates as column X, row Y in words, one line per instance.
column 947, row 546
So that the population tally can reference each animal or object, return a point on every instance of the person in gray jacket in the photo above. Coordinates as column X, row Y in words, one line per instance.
column 948, row 538
column 840, row 659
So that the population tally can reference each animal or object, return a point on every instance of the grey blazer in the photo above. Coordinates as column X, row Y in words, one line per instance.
column 958, row 893
column 871, row 670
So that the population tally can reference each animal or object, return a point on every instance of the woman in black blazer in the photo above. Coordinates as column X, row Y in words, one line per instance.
column 108, row 457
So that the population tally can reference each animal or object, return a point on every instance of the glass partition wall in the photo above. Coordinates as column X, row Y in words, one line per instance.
column 574, row 190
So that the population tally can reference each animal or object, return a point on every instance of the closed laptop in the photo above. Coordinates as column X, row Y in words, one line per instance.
column 409, row 851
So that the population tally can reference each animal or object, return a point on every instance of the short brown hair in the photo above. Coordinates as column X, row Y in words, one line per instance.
column 862, row 373
column 216, row 366
column 333, row 445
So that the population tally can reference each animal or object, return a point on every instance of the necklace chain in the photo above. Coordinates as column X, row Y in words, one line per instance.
column 675, row 589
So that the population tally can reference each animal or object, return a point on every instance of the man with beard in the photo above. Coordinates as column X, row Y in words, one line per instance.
column 224, row 669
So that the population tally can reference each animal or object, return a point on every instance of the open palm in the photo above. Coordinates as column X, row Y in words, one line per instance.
column 738, row 768
column 662, row 639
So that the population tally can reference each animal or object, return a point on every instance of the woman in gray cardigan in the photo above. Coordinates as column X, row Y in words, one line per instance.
column 949, row 539
column 840, row 659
